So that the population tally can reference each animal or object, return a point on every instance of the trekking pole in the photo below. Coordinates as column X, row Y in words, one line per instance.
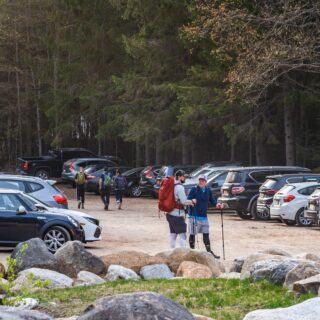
column 221, row 212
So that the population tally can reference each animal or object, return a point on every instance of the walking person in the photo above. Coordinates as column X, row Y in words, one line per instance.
column 105, row 182
column 176, row 217
column 198, row 218
column 81, row 180
column 120, row 184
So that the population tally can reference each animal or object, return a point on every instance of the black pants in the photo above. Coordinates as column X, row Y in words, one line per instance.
column 119, row 195
column 80, row 193
column 105, row 195
column 206, row 241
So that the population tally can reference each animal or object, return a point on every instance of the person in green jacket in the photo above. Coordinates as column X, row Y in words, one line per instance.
column 81, row 180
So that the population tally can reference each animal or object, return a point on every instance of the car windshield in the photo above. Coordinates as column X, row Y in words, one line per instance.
column 195, row 173
column 269, row 184
column 31, row 202
column 131, row 171
column 234, row 177
column 286, row 189
column 214, row 173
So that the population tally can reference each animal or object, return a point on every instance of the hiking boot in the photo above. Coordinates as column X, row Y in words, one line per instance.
column 82, row 205
column 79, row 204
column 119, row 205
column 106, row 207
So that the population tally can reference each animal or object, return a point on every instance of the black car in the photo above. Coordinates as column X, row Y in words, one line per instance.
column 133, row 177
column 21, row 220
column 52, row 164
column 241, row 189
column 272, row 185
column 148, row 179
column 94, row 177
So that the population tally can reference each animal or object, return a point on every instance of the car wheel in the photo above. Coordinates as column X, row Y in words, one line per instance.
column 135, row 191
column 244, row 215
column 289, row 222
column 43, row 174
column 301, row 220
column 55, row 238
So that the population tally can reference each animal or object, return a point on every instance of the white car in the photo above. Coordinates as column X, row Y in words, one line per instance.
column 90, row 225
column 290, row 201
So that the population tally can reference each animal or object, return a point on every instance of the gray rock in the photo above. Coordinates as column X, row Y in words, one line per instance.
column 11, row 313
column 230, row 275
column 237, row 264
column 156, row 271
column 309, row 285
column 35, row 256
column 307, row 310
column 136, row 306
column 276, row 252
column 73, row 258
column 27, row 279
column 86, row 278
column 272, row 270
column 27, row 303
column 304, row 270
column 308, row 256
column 116, row 272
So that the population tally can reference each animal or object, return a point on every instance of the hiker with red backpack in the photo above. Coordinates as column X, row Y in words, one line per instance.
column 120, row 185
column 172, row 201
column 105, row 182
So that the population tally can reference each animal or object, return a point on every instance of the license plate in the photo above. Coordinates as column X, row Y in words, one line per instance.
column 225, row 193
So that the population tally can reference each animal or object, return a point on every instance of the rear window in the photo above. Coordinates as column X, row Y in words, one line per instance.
column 286, row 189
column 162, row 172
column 33, row 187
column 259, row 176
column 307, row 191
column 270, row 183
column 234, row 177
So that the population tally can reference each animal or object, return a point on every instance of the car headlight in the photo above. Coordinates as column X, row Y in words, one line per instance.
column 74, row 222
column 92, row 220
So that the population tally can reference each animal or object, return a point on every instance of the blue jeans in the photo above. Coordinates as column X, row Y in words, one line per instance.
column 119, row 195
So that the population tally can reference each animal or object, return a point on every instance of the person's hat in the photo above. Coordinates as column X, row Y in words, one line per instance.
column 203, row 177
column 180, row 173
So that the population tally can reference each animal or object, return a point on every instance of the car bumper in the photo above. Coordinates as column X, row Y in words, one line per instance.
column 285, row 212
column 78, row 234
column 234, row 203
column 312, row 215
column 92, row 232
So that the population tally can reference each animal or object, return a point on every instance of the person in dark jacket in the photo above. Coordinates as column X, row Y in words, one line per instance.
column 105, row 183
column 80, row 181
column 198, row 218
column 120, row 184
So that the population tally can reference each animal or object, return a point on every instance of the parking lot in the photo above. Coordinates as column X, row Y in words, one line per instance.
column 138, row 227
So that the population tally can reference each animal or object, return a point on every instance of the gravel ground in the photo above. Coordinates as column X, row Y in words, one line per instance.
column 138, row 227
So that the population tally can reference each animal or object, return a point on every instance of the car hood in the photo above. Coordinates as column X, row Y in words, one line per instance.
column 68, row 212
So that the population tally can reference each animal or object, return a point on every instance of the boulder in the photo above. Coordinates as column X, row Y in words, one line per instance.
column 308, row 310
column 136, row 306
column 272, row 270
column 230, row 275
column 192, row 270
column 2, row 270
column 156, row 271
column 237, row 264
column 86, row 278
column 116, row 272
column 276, row 252
column 198, row 317
column 176, row 256
column 26, row 303
column 73, row 258
column 133, row 260
column 27, row 279
column 34, row 254
column 11, row 313
column 304, row 270
column 309, row 285
column 253, row 258
column 308, row 256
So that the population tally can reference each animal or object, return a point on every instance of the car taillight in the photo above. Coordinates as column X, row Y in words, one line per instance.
column 71, row 167
column 61, row 200
column 149, row 174
column 25, row 166
column 270, row 192
column 288, row 198
column 90, row 177
column 237, row 190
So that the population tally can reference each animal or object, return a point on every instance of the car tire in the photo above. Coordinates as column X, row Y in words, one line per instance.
column 301, row 221
column 289, row 222
column 265, row 215
column 43, row 174
column 135, row 191
column 244, row 215
column 55, row 237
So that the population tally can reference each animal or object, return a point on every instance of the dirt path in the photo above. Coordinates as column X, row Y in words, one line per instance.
column 138, row 227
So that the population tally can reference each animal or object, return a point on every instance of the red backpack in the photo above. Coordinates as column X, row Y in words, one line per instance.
column 167, row 201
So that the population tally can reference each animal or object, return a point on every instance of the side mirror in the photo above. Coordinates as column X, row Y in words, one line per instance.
column 22, row 210
column 215, row 185
column 40, row 206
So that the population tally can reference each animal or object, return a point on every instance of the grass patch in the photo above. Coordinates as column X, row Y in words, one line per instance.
column 217, row 298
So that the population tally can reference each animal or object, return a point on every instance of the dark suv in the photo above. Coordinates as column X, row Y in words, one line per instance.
column 241, row 188
column 272, row 185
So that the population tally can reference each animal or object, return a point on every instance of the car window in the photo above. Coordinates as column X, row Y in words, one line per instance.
column 12, row 184
column 33, row 187
column 221, row 179
column 307, row 191
column 270, row 183
column 259, row 176
column 234, row 177
column 294, row 179
column 286, row 189
column 9, row 202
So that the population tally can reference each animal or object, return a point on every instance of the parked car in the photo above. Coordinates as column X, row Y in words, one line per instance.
column 90, row 225
column 272, row 185
column 169, row 171
column 20, row 220
column 290, row 202
column 93, row 178
column 241, row 189
column 312, row 212
column 148, row 180
column 71, row 167
column 210, row 165
column 52, row 164
column 43, row 190
column 133, row 177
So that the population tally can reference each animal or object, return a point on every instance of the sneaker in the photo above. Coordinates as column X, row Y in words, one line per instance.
column 79, row 204
column 106, row 207
column 83, row 206
column 119, row 205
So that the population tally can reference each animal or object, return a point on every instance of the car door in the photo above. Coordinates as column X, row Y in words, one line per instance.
column 14, row 226
column 216, row 184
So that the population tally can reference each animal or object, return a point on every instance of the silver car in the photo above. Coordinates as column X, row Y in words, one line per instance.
column 43, row 190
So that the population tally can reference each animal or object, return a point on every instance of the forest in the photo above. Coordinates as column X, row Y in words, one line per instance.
column 162, row 81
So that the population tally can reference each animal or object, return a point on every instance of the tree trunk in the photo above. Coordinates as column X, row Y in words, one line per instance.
column 232, row 151
column 138, row 154
column 158, row 148
column 146, row 149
